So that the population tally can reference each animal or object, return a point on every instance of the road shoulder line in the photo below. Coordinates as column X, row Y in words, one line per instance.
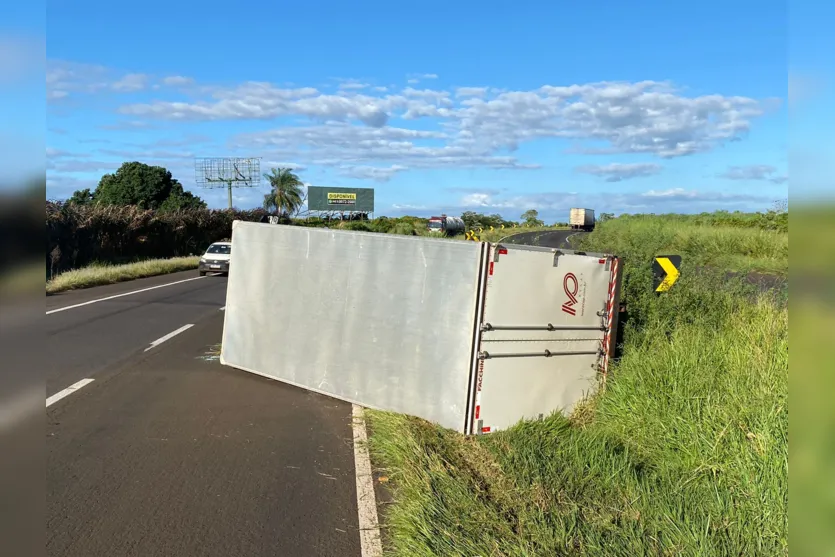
column 369, row 527
column 68, row 391
column 97, row 300
column 170, row 335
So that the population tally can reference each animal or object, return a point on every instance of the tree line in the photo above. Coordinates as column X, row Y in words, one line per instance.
column 154, row 188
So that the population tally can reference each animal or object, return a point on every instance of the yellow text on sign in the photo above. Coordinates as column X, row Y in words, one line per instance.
column 671, row 271
column 351, row 196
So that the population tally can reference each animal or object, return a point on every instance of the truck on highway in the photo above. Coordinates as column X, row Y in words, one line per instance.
column 448, row 226
column 581, row 219
column 473, row 336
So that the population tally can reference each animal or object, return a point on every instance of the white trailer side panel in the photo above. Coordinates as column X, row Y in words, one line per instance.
column 528, row 289
column 384, row 321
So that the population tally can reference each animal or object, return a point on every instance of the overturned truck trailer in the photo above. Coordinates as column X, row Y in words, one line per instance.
column 471, row 336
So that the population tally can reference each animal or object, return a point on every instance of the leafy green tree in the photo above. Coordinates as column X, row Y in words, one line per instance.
column 605, row 216
column 285, row 191
column 180, row 201
column 81, row 197
column 473, row 220
column 530, row 218
column 144, row 186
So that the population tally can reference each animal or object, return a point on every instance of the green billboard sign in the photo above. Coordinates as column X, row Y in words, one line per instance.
column 339, row 200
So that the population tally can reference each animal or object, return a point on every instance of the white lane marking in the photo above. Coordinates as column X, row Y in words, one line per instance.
column 370, row 544
column 223, row 308
column 172, row 334
column 120, row 295
column 68, row 391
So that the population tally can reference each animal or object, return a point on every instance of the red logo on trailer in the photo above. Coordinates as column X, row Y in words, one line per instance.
column 571, row 287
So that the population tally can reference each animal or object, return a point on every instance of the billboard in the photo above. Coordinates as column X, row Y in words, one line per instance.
column 339, row 200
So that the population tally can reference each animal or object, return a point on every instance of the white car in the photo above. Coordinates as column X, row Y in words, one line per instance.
column 216, row 259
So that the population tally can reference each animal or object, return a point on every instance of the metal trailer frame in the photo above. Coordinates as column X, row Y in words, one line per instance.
column 243, row 323
column 474, row 424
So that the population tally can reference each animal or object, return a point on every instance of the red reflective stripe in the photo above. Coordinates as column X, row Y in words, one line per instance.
column 491, row 267
column 502, row 251
column 601, row 261
column 485, row 430
column 477, row 411
column 610, row 310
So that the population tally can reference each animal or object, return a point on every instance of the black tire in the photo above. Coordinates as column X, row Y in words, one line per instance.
column 202, row 273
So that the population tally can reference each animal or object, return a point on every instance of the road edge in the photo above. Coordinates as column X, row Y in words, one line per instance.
column 369, row 526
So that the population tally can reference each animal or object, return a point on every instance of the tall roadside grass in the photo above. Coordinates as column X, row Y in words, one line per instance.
column 699, row 240
column 685, row 452
column 100, row 274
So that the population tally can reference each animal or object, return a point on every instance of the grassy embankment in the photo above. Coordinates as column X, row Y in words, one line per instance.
column 97, row 275
column 685, row 453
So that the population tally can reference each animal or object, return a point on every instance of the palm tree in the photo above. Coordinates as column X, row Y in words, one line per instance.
column 285, row 191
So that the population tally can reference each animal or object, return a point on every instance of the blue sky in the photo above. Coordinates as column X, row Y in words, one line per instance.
column 445, row 106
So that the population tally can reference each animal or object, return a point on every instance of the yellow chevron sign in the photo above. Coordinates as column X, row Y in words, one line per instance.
column 665, row 268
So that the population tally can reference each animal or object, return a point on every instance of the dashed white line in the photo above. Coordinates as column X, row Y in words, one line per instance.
column 68, row 391
column 172, row 334
column 121, row 295
column 370, row 543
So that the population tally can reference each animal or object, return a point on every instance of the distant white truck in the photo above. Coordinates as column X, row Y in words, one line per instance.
column 581, row 219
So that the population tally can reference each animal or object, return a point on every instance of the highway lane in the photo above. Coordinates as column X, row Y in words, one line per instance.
column 167, row 452
column 561, row 239
column 174, row 454
column 120, row 321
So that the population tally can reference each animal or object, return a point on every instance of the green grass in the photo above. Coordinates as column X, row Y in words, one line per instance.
column 699, row 240
column 97, row 275
column 684, row 453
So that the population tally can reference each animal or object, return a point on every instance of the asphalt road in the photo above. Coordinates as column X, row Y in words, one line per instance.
column 562, row 239
column 169, row 453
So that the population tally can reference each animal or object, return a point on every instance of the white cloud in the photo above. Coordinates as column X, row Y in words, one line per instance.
column 555, row 206
column 379, row 174
column 337, row 144
column 671, row 193
column 366, row 131
column 53, row 153
column 266, row 165
column 177, row 81
column 408, row 207
column 645, row 117
column 131, row 82
column 74, row 165
column 758, row 172
column 352, row 84
column 64, row 78
column 470, row 91
column 617, row 172
column 152, row 154
column 418, row 77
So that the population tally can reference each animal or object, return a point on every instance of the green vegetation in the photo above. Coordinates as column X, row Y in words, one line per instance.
column 81, row 235
column 99, row 274
column 285, row 196
column 685, row 452
column 732, row 241
column 140, row 185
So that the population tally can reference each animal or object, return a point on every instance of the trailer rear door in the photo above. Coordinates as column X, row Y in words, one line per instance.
column 544, row 333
